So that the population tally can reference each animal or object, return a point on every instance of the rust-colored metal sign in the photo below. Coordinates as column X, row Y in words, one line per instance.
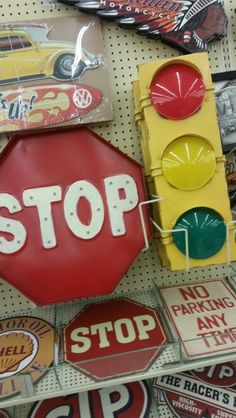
column 114, row 338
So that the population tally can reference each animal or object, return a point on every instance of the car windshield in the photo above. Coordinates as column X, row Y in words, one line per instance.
column 8, row 43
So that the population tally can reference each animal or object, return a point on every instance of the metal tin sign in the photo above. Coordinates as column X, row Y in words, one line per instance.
column 72, row 208
column 209, row 392
column 46, row 104
column 114, row 338
column 187, row 25
column 52, row 72
column 27, row 344
column 203, row 315
column 123, row 401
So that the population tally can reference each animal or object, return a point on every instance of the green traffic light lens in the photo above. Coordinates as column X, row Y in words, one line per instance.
column 206, row 232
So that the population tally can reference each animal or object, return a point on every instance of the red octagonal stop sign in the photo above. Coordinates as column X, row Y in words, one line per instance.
column 69, row 219
column 113, row 338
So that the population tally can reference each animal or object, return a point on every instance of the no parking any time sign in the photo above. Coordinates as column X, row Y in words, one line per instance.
column 204, row 316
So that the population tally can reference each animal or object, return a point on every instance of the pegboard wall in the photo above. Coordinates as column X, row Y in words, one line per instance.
column 124, row 50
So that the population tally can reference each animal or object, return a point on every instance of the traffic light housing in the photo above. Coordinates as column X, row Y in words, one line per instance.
column 181, row 146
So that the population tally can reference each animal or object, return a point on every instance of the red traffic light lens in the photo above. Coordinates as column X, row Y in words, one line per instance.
column 177, row 91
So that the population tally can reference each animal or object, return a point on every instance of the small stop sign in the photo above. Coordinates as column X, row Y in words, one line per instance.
column 113, row 338
column 69, row 218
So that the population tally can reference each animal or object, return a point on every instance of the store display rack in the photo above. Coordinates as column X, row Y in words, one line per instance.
column 124, row 50
column 65, row 378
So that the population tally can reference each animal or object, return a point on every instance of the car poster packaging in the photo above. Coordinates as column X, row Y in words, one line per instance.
column 53, row 72
column 27, row 345
column 203, row 315
column 131, row 400
column 208, row 392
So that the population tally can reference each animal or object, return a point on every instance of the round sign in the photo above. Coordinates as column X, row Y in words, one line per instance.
column 27, row 344
column 82, row 98
column 206, row 232
column 202, row 393
column 132, row 400
column 184, row 407
column 177, row 91
column 188, row 163
column 221, row 375
column 114, row 338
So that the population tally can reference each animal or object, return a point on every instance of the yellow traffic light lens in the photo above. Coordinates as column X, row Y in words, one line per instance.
column 188, row 163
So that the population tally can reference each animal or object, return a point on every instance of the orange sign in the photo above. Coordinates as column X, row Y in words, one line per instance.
column 26, row 345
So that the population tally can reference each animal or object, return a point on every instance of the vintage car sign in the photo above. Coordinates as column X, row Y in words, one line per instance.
column 27, row 344
column 68, row 205
column 46, row 104
column 114, row 338
column 203, row 315
column 52, row 72
column 123, row 401
column 209, row 392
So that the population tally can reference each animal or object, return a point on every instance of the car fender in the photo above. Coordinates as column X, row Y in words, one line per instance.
column 50, row 61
